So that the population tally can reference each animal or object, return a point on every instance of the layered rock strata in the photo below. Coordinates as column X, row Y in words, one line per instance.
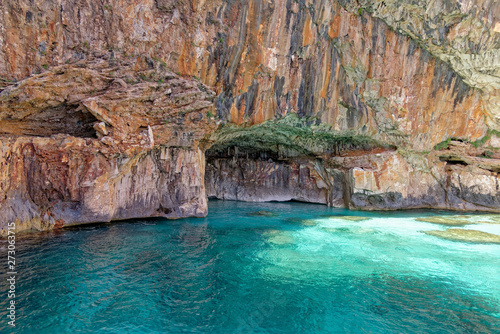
column 100, row 140
column 259, row 180
column 399, row 79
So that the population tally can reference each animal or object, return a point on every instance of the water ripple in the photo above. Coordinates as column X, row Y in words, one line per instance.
column 234, row 272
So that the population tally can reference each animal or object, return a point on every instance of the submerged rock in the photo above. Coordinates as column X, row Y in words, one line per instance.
column 263, row 213
column 458, row 234
column 352, row 218
column 447, row 220
column 336, row 229
column 356, row 230
column 300, row 221
column 491, row 219
column 279, row 237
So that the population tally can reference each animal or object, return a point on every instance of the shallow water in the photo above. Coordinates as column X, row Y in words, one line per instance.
column 234, row 272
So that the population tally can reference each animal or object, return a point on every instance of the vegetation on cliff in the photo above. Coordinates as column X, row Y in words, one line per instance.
column 289, row 136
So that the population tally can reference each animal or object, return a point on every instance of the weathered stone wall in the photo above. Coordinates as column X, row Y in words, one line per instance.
column 267, row 180
column 102, row 139
column 107, row 108
column 55, row 182
column 386, row 181
column 265, row 59
column 399, row 182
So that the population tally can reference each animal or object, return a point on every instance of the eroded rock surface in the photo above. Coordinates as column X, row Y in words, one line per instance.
column 288, row 159
column 403, row 71
column 131, row 149
column 413, row 180
column 257, row 180
column 107, row 109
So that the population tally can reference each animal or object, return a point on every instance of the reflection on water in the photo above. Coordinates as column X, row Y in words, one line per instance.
column 298, row 268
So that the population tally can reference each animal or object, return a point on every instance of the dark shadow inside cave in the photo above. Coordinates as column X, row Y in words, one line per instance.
column 63, row 119
column 235, row 152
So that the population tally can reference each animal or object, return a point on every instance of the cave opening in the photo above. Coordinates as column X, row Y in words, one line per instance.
column 284, row 160
column 255, row 174
column 63, row 119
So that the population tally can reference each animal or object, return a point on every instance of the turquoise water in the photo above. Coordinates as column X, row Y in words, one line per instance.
column 236, row 273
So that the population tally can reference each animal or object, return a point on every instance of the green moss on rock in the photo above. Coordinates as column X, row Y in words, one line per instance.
column 263, row 213
column 442, row 145
column 289, row 136
column 482, row 141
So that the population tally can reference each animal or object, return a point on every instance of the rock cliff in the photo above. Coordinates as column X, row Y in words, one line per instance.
column 107, row 109
column 102, row 139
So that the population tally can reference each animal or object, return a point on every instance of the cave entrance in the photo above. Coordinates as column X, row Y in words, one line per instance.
column 254, row 175
column 63, row 119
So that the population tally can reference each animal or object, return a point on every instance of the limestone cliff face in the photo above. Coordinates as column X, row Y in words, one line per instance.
column 54, row 182
column 330, row 59
column 402, row 181
column 103, row 139
column 256, row 180
column 124, row 89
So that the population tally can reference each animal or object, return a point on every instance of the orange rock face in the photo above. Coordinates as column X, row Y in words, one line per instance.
column 264, row 59
column 106, row 108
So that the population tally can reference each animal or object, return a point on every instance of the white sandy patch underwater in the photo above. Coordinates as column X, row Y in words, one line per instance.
column 335, row 247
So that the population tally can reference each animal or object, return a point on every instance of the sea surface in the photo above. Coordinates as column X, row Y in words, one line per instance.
column 256, row 268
